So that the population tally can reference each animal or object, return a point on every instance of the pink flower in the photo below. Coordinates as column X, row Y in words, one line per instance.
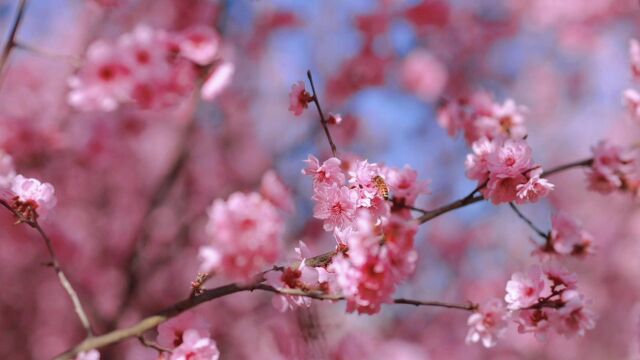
column 631, row 100
column 568, row 237
column 536, row 321
column 38, row 196
column 103, row 82
column 171, row 333
column 218, row 80
column 424, row 75
column 477, row 164
column 361, row 178
column 634, row 57
column 246, row 232
column 334, row 119
column 535, row 189
column 199, row 44
column 488, row 323
column 404, row 184
column 336, row 205
column 523, row 290
column 510, row 159
column 195, row 347
column 613, row 168
column 299, row 98
column 503, row 190
column 90, row 355
column 573, row 318
column 274, row 190
column 328, row 173
column 7, row 171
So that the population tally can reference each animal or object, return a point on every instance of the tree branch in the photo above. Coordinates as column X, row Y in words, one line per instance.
column 323, row 120
column 13, row 31
column 529, row 222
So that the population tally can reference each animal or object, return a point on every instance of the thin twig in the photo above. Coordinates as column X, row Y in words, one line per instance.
column 557, row 169
column 13, row 31
column 432, row 214
column 153, row 345
column 323, row 120
column 529, row 222
column 73, row 60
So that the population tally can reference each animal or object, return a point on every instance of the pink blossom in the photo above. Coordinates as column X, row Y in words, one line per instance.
column 634, row 57
column 274, row 190
column 424, row 75
column 404, row 184
column 218, row 80
column 89, row 355
column 506, row 119
column 524, row 289
column 336, row 205
column 488, row 323
column 195, row 347
column 613, row 168
column 534, row 189
column 246, row 232
column 361, row 178
column 328, row 173
column 477, row 163
column 334, row 119
column 39, row 196
column 171, row 333
column 299, row 98
column 199, row 44
column 103, row 82
column 7, row 171
column 503, row 190
column 574, row 318
column 510, row 159
column 631, row 100
column 568, row 237
column 536, row 321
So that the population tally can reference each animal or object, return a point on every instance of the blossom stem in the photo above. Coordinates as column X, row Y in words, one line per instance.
column 323, row 120
column 529, row 222
column 13, row 31
column 557, row 169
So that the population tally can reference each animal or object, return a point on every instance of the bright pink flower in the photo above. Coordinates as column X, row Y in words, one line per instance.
column 510, row 159
column 524, row 290
column 404, row 184
column 326, row 174
column 104, row 81
column 195, row 347
column 613, row 168
column 218, row 80
column 274, row 190
column 634, row 57
column 39, row 196
column 631, row 100
column 171, row 333
column 199, row 44
column 336, row 205
column 503, row 190
column 568, row 237
column 488, row 323
column 299, row 98
column 361, row 179
column 535, row 189
column 477, row 164
column 246, row 232
column 424, row 75
column 89, row 355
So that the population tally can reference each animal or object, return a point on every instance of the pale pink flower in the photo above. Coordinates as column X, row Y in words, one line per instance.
column 450, row 117
column 573, row 317
column 103, row 82
column 524, row 289
column 568, row 237
column 613, row 168
column 404, row 184
column 488, row 323
column 336, row 205
column 631, row 100
column 299, row 98
column 361, row 179
column 89, row 355
column 274, row 190
column 534, row 189
column 199, row 44
column 477, row 164
column 217, row 81
column 195, row 347
column 334, row 119
column 39, row 196
column 171, row 333
column 424, row 75
column 510, row 159
column 246, row 232
column 560, row 278
column 508, row 121
column 634, row 57
column 502, row 190
column 328, row 173
column 536, row 321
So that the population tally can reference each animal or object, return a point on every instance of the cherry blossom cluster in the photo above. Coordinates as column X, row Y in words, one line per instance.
column 479, row 116
column 28, row 197
column 614, row 168
column 538, row 300
column 188, row 337
column 567, row 238
column 631, row 97
column 151, row 68
column 246, row 232
column 375, row 239
column 505, row 171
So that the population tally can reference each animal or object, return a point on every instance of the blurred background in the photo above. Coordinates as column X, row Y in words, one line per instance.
column 142, row 178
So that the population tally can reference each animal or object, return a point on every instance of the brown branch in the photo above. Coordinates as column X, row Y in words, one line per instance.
column 13, row 32
column 557, row 169
column 153, row 345
column 529, row 222
column 55, row 264
column 323, row 120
